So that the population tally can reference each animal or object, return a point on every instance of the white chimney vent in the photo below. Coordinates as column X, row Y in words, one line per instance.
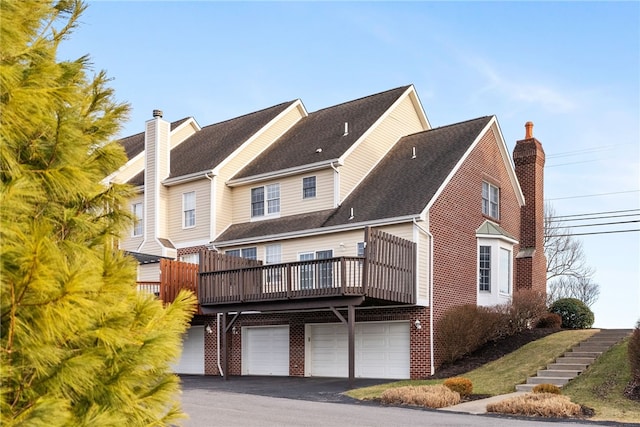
column 346, row 129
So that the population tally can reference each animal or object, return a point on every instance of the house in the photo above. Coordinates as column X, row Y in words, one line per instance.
column 366, row 225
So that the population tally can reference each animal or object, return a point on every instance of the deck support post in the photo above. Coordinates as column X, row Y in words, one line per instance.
column 351, row 318
column 225, row 364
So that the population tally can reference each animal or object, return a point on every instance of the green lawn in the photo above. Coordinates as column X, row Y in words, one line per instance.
column 599, row 387
column 502, row 375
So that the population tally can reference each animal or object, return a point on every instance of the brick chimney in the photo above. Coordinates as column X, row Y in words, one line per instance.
column 531, row 263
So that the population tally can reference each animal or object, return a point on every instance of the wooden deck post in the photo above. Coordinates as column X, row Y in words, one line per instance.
column 351, row 319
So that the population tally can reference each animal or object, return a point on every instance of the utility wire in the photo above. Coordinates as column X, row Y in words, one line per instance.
column 593, row 233
column 593, row 195
column 597, row 213
column 601, row 223
column 590, row 218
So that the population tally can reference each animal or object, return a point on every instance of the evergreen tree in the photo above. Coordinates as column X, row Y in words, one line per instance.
column 80, row 346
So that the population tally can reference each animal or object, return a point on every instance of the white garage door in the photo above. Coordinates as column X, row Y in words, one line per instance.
column 381, row 350
column 192, row 358
column 265, row 350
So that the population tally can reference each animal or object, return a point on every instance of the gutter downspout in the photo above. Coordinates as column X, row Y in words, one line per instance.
column 431, row 350
column 218, row 344
column 336, row 187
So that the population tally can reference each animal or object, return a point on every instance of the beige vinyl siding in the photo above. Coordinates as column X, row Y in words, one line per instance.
column 226, row 196
column 149, row 272
column 128, row 241
column 163, row 173
column 291, row 201
column 130, row 170
column 183, row 133
column 403, row 120
column 150, row 203
column 424, row 264
column 177, row 233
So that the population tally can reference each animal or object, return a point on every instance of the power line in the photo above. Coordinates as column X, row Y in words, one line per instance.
column 597, row 213
column 593, row 233
column 593, row 195
column 590, row 218
column 602, row 223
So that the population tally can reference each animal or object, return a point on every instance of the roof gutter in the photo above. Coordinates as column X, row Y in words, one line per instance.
column 314, row 232
column 188, row 178
column 284, row 172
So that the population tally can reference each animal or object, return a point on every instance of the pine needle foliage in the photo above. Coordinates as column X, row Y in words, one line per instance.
column 79, row 345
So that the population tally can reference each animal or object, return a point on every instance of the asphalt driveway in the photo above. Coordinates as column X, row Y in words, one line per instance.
column 310, row 389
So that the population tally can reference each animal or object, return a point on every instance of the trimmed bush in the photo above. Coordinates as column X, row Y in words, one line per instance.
column 428, row 396
column 547, row 388
column 461, row 385
column 537, row 404
column 525, row 310
column 550, row 320
column 574, row 313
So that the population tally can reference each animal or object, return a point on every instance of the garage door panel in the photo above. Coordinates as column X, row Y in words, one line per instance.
column 265, row 351
column 192, row 357
column 381, row 350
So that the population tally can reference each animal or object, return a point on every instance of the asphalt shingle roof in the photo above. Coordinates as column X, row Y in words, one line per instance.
column 134, row 144
column 323, row 129
column 398, row 186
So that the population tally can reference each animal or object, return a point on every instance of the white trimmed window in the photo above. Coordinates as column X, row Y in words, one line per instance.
column 273, row 255
column 191, row 258
column 309, row 187
column 490, row 200
column 138, row 226
column 484, row 269
column 189, row 209
column 504, row 276
column 249, row 253
column 265, row 200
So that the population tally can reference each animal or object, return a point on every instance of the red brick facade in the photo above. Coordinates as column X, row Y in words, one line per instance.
column 531, row 264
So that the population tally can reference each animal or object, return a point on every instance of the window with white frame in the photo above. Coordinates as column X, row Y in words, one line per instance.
column 490, row 200
column 484, row 268
column 138, row 226
column 249, row 253
column 265, row 200
column 495, row 267
column 191, row 258
column 360, row 249
column 319, row 274
column 504, row 277
column 273, row 255
column 189, row 209
column 309, row 187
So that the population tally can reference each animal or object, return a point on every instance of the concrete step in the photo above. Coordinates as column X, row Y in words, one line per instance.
column 581, row 360
column 568, row 366
column 575, row 353
column 548, row 380
column 525, row 387
column 556, row 373
column 599, row 344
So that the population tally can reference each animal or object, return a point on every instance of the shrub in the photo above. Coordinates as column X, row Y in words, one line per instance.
column 550, row 320
column 537, row 404
column 525, row 310
column 632, row 390
column 429, row 396
column 459, row 384
column 574, row 313
column 547, row 388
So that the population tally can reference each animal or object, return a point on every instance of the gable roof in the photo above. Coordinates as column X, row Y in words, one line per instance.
column 320, row 136
column 401, row 184
column 398, row 187
column 207, row 148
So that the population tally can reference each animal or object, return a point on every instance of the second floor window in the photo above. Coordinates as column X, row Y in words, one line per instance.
column 138, row 227
column 249, row 253
column 309, row 187
column 189, row 209
column 265, row 200
column 490, row 200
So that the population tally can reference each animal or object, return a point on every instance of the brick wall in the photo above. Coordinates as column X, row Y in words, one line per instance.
column 529, row 159
column 454, row 219
column 419, row 339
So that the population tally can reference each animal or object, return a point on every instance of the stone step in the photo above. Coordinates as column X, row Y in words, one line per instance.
column 525, row 387
column 548, row 380
column 571, row 360
column 590, row 354
column 568, row 366
column 602, row 344
column 597, row 348
column 556, row 373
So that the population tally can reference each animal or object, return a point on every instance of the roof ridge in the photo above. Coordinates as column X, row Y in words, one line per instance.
column 250, row 114
column 362, row 98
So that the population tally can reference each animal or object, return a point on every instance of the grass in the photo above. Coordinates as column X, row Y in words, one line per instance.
column 502, row 375
column 600, row 387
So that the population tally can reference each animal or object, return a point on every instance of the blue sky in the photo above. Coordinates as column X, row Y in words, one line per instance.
column 573, row 68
